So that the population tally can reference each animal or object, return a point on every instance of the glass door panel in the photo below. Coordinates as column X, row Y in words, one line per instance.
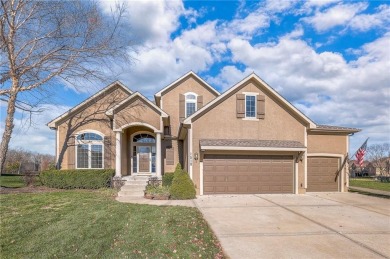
column 144, row 158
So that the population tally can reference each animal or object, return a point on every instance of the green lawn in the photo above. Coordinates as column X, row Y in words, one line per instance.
column 369, row 183
column 12, row 181
column 75, row 224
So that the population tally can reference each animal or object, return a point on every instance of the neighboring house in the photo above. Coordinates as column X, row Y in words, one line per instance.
column 247, row 140
column 373, row 168
column 367, row 169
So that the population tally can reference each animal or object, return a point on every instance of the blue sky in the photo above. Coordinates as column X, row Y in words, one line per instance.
column 329, row 58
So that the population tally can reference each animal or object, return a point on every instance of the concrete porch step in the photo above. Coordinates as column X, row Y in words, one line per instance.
column 130, row 193
column 138, row 182
column 133, row 187
column 136, row 178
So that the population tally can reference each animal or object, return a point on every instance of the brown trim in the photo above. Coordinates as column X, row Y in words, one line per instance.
column 260, row 106
column 240, row 105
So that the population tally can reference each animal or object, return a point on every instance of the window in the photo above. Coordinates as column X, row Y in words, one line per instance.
column 190, row 104
column 89, row 150
column 250, row 106
column 144, row 138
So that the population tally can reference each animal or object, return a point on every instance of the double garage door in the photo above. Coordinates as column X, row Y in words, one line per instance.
column 237, row 174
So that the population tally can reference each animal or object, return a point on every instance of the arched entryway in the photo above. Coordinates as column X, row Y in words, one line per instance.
column 143, row 153
column 138, row 150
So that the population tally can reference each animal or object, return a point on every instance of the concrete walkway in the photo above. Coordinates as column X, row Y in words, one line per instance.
column 315, row 225
column 361, row 189
column 142, row 200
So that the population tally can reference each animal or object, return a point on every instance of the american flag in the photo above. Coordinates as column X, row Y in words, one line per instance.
column 360, row 153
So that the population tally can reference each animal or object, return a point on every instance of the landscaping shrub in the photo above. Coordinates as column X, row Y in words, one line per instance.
column 29, row 178
column 182, row 187
column 77, row 179
column 167, row 179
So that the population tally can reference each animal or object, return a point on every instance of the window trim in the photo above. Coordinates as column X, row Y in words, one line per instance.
column 89, row 144
column 195, row 101
column 252, row 95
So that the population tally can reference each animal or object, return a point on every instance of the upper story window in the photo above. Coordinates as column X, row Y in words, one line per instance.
column 250, row 106
column 144, row 138
column 89, row 150
column 190, row 103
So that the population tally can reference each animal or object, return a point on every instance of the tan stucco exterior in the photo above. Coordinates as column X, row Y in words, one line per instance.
column 119, row 112
column 221, row 123
column 90, row 117
column 170, row 104
column 137, row 111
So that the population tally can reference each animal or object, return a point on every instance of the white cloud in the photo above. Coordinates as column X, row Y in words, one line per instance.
column 337, row 15
column 277, row 6
column 319, row 3
column 249, row 25
column 151, row 21
column 228, row 76
column 365, row 22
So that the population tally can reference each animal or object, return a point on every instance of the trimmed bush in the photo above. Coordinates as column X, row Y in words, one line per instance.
column 182, row 187
column 77, row 179
column 167, row 179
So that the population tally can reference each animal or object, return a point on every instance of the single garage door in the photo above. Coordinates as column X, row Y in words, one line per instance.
column 321, row 174
column 237, row 174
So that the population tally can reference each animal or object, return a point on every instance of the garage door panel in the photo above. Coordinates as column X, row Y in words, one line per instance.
column 232, row 178
column 321, row 174
column 247, row 174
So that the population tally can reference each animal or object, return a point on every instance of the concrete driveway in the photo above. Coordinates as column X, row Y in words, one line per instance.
column 315, row 225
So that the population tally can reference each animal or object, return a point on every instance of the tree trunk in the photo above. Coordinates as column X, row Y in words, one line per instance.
column 9, row 126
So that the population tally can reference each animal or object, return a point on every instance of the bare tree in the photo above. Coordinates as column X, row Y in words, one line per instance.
column 379, row 155
column 48, row 43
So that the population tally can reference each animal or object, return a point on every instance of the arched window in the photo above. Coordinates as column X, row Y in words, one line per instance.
column 144, row 138
column 190, row 103
column 89, row 136
column 89, row 150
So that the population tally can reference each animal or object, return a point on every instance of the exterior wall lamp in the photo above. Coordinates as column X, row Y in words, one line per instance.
column 196, row 156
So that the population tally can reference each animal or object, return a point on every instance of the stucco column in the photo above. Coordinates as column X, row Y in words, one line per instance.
column 118, row 166
column 158, row 155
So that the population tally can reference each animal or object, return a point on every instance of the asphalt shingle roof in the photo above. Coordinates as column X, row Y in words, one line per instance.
column 251, row 143
column 329, row 127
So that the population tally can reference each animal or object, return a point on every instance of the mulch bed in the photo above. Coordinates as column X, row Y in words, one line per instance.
column 29, row 189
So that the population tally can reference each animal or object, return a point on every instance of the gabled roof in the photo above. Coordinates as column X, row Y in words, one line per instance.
column 227, row 93
column 52, row 124
column 111, row 111
column 191, row 73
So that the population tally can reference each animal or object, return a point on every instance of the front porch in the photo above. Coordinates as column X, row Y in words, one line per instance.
column 138, row 151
